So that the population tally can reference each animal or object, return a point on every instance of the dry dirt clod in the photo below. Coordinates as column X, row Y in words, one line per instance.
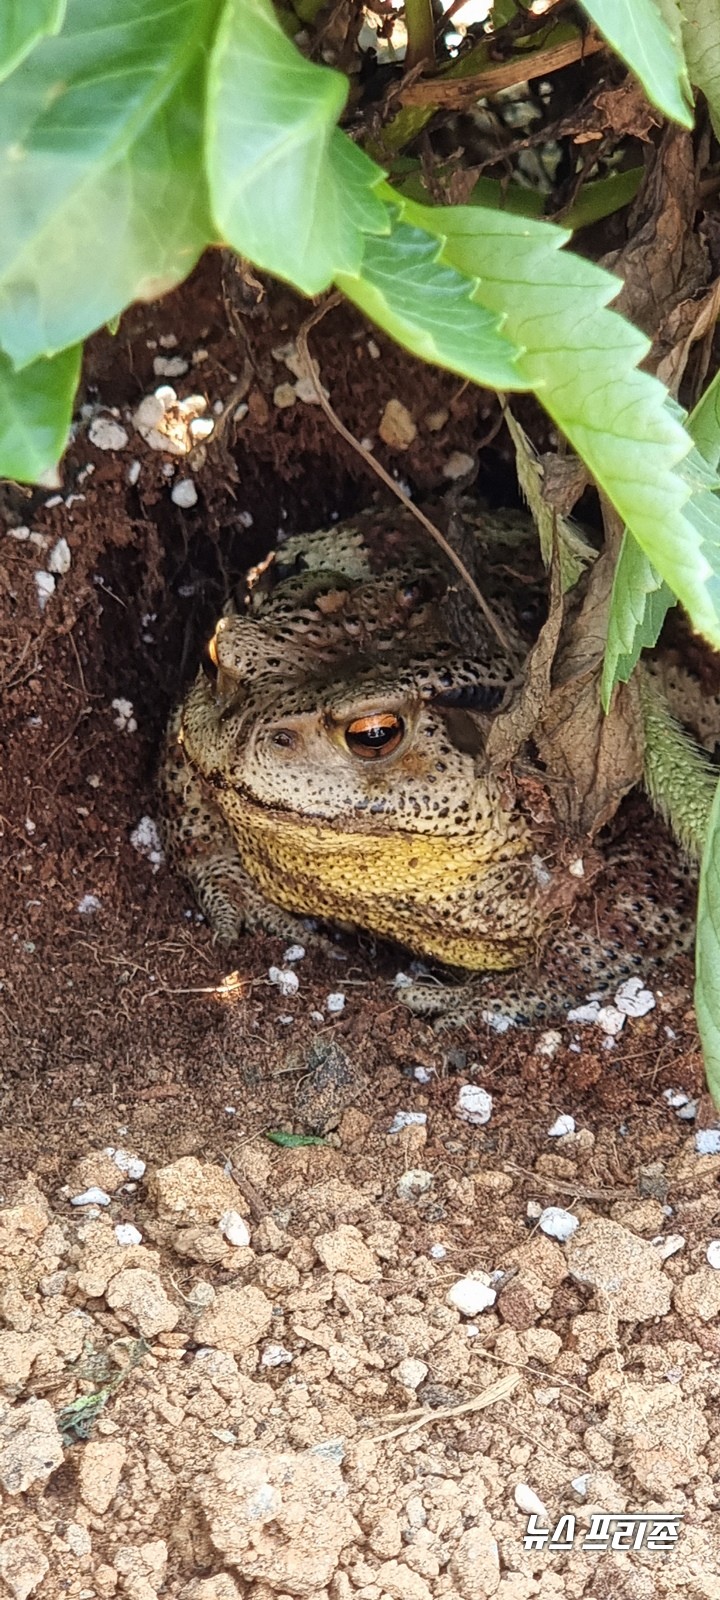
column 30, row 1445
column 623, row 1270
column 23, row 1565
column 396, row 427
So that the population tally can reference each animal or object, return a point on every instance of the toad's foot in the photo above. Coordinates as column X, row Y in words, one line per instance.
column 498, row 1001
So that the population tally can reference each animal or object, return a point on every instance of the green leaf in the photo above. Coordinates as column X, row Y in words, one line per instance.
column 603, row 198
column 638, row 607
column 707, row 953
column 701, row 37
column 288, row 189
column 704, row 424
column 640, row 599
column 35, row 413
column 582, row 361
column 22, row 23
column 648, row 38
column 430, row 308
column 102, row 192
column 293, row 1141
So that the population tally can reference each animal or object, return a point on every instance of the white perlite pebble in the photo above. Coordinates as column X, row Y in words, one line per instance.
column 89, row 905
column 90, row 1197
column 235, row 1229
column 285, row 980
column 335, row 1004
column 170, row 366
column 713, row 1254
column 562, row 1125
column 124, row 715
column 557, row 1223
column 438, row 1252
column 146, row 840
column 474, row 1105
column 498, row 1021
column 688, row 1112
column 611, row 1020
column 294, row 952
column 106, row 434
column 413, row 1183
column 668, row 1244
column 132, row 1166
column 45, row 585
column 634, row 1000
column 184, row 493
column 586, row 1014
column 580, row 1484
column 407, row 1119
column 59, row 559
column 127, row 1233
column 528, row 1501
column 707, row 1142
column 275, row 1355
column 471, row 1295
column 676, row 1098
column 411, row 1372
column 549, row 1043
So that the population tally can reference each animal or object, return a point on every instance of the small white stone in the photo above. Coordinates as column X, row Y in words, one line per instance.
column 585, row 1014
column 474, row 1105
column 438, row 1252
column 580, row 1484
column 150, row 412
column 611, row 1020
column 133, row 1166
column 184, row 493
column 713, row 1254
column 668, row 1244
column 471, row 1295
column 60, row 558
column 21, row 533
column 549, row 1043
column 423, row 1074
column 125, row 715
column 30, row 827
column 407, row 1119
column 676, row 1098
column 170, row 366
column 707, row 1142
column 562, row 1125
column 106, row 434
column 168, row 341
column 235, row 1229
column 411, row 1372
column 285, row 980
column 373, row 350
column 335, row 1003
column 402, row 981
column 317, row 1016
column 202, row 427
column 89, row 905
column 528, row 1501
column 413, row 1183
column 533, row 1210
column 146, row 840
column 458, row 465
column 45, row 585
column 498, row 1021
column 91, row 1197
column 577, row 868
column 294, row 952
column 275, row 1355
column 633, row 999
column 688, row 1112
column 127, row 1233
column 558, row 1223
column 284, row 396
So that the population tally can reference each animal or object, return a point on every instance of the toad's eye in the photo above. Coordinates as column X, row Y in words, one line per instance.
column 284, row 738
column 375, row 735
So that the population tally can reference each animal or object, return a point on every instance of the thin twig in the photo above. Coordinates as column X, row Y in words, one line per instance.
column 501, row 1390
column 370, row 460
column 453, row 93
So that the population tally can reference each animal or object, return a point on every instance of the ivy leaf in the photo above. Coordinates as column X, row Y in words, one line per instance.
column 22, row 23
column 430, row 308
column 288, row 189
column 102, row 191
column 582, row 361
column 704, row 424
column 648, row 37
column 707, row 953
column 35, row 413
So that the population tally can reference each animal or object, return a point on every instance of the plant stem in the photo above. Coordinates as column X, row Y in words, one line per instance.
column 420, row 25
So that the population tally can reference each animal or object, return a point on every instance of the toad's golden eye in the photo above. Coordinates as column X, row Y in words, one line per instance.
column 210, row 660
column 375, row 735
